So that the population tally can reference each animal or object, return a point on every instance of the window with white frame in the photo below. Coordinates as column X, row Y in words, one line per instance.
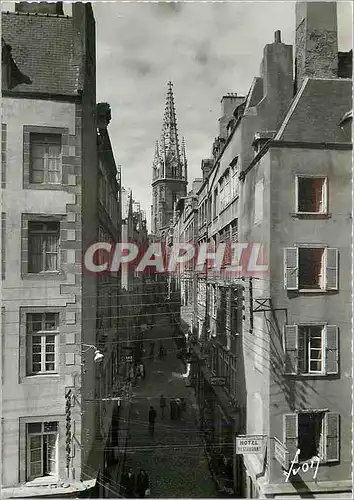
column 42, row 342
column 311, row 349
column 42, row 449
column 311, row 195
column 43, row 246
column 227, row 188
column 45, row 159
column 213, row 301
column 258, row 201
column 315, row 433
column 311, row 268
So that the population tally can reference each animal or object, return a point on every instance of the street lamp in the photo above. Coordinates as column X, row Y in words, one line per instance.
column 98, row 357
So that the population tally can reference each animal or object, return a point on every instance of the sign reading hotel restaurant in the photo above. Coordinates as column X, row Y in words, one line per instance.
column 217, row 380
column 250, row 445
column 281, row 454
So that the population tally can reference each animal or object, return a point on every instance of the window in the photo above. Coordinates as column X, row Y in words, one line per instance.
column 236, row 311
column 309, row 268
column 258, row 202
column 174, row 199
column 42, row 449
column 45, row 159
column 215, row 204
column 311, row 195
column 43, row 246
column 42, row 341
column 212, row 301
column 311, row 349
column 315, row 433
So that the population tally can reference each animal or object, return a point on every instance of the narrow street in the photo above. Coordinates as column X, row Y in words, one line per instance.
column 174, row 457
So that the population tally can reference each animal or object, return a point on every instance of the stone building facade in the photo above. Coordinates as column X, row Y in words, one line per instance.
column 271, row 349
column 53, row 432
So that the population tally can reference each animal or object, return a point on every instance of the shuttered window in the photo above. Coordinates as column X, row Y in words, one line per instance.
column 314, row 433
column 311, row 349
column 308, row 268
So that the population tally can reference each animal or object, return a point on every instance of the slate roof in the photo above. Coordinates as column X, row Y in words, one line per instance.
column 316, row 111
column 45, row 48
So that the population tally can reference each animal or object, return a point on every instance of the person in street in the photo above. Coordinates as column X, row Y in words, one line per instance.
column 128, row 484
column 152, row 418
column 142, row 370
column 162, row 405
column 152, row 349
column 142, row 483
column 161, row 350
column 173, row 409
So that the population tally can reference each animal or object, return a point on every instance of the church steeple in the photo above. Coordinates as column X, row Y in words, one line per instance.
column 169, row 180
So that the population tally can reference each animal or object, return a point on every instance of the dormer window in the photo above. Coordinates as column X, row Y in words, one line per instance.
column 11, row 75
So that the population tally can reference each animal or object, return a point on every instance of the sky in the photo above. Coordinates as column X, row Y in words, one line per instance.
column 206, row 49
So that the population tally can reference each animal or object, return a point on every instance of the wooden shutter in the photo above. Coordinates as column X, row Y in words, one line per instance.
column 290, row 433
column 331, row 269
column 331, row 437
column 291, row 268
column 331, row 346
column 291, row 349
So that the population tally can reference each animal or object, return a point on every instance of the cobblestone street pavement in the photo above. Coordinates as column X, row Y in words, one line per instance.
column 174, row 458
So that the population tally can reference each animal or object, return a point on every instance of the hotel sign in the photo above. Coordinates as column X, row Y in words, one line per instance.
column 281, row 454
column 250, row 445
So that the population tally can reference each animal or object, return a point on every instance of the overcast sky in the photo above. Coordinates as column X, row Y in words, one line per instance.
column 205, row 49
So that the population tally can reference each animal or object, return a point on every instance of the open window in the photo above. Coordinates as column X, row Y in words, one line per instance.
column 311, row 349
column 315, row 433
column 311, row 195
column 310, row 268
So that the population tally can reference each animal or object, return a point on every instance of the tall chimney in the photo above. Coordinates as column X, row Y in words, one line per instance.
column 229, row 102
column 207, row 165
column 54, row 8
column 316, row 41
column 277, row 75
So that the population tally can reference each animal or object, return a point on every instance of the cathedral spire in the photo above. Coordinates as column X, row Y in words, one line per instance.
column 169, row 135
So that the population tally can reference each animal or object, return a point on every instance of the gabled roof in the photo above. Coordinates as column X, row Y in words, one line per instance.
column 46, row 49
column 316, row 111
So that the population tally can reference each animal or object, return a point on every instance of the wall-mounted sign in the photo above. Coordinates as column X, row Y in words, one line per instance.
column 217, row 381
column 281, row 454
column 129, row 359
column 250, row 445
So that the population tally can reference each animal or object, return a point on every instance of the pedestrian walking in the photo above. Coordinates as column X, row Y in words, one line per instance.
column 162, row 405
column 152, row 418
column 152, row 349
column 161, row 350
column 142, row 370
column 173, row 409
column 142, row 484
column 128, row 484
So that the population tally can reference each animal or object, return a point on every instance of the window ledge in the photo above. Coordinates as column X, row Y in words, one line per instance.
column 312, row 290
column 44, row 275
column 37, row 376
column 311, row 215
column 42, row 481
column 46, row 187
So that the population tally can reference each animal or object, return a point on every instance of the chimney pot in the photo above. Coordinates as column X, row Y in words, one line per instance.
column 277, row 36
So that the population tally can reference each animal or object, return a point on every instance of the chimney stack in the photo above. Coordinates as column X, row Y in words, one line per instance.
column 316, row 41
column 277, row 36
column 207, row 165
column 53, row 8
column 277, row 75
column 229, row 102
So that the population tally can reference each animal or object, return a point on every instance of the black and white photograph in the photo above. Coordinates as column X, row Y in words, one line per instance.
column 177, row 260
